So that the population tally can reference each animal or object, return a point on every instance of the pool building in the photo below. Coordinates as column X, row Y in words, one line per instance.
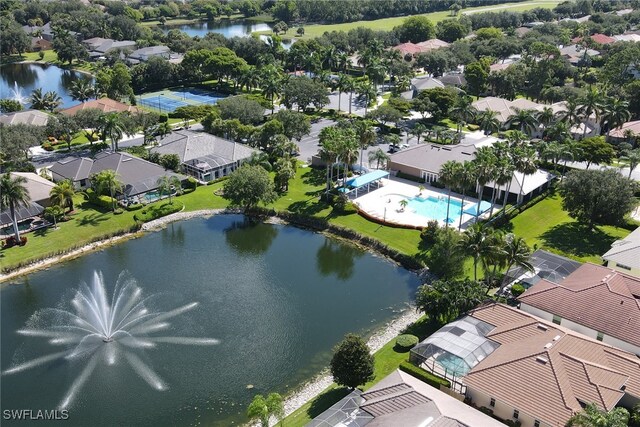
column 204, row 156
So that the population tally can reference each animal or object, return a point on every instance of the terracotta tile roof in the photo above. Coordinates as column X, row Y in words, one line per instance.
column 598, row 38
column 632, row 126
column 617, row 313
column 547, row 371
column 106, row 105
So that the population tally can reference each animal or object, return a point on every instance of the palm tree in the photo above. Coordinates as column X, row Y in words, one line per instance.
column 112, row 128
column 62, row 194
column 329, row 154
column 633, row 157
column 571, row 113
column 349, row 86
column 464, row 178
column 107, row 182
column 546, row 117
column 570, row 152
column 552, row 152
column 488, row 122
column 525, row 163
column 476, row 242
column 366, row 135
column 366, row 92
column 592, row 416
column 463, row 111
column 559, row 131
column 260, row 158
column 485, row 168
column 82, row 90
column 616, row 113
column 418, row 130
column 379, row 156
column 37, row 99
column 503, row 176
column 516, row 252
column 447, row 176
column 591, row 104
column 344, row 82
column 524, row 120
column 13, row 194
column 348, row 152
column 168, row 185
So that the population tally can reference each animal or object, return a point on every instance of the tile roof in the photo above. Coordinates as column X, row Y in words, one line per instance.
column 547, row 371
column 201, row 146
column 37, row 186
column 106, row 105
column 626, row 251
column 422, row 47
column 598, row 38
column 617, row 313
column 423, row 83
column 75, row 169
column 400, row 399
column 28, row 117
column 632, row 126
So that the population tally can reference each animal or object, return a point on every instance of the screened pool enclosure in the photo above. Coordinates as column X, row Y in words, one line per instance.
column 455, row 348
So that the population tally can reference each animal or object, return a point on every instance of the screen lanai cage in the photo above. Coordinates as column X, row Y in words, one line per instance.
column 455, row 348
column 346, row 412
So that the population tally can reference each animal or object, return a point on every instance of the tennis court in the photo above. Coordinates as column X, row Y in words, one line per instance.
column 167, row 101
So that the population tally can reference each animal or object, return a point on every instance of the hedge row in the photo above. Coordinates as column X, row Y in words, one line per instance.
column 154, row 212
column 421, row 374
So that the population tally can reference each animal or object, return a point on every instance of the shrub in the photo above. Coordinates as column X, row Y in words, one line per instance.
column 191, row 183
column 104, row 202
column 157, row 211
column 421, row 374
column 47, row 146
column 11, row 242
column 517, row 290
column 163, row 118
column 407, row 341
column 118, row 211
column 409, row 177
column 473, row 127
column 429, row 233
column 134, row 207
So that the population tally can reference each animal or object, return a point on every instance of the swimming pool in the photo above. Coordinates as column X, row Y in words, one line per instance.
column 436, row 207
column 453, row 364
column 151, row 196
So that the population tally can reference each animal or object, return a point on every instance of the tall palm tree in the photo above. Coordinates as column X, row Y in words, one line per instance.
column 62, row 194
column 503, row 176
column 271, row 85
column 526, row 164
column 82, row 90
column 285, row 167
column 475, row 242
column 571, row 151
column 349, row 85
column 524, row 120
column 260, row 158
column 516, row 252
column 342, row 84
column 571, row 113
column 592, row 416
column 546, row 117
column 366, row 92
column 37, row 99
column 366, row 135
column 447, row 176
column 418, row 130
column 349, row 149
column 13, row 194
column 168, row 185
column 591, row 104
column 633, row 158
column 379, row 156
column 329, row 154
column 465, row 178
column 559, row 131
column 616, row 113
column 485, row 169
column 488, row 122
column 463, row 111
column 111, row 127
column 107, row 182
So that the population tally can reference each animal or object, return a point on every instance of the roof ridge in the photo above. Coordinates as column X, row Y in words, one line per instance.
column 390, row 396
column 556, row 373
column 584, row 365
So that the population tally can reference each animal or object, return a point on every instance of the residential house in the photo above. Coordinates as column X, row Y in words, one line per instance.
column 418, row 84
column 528, row 370
column 614, row 319
column 137, row 175
column 38, row 189
column 39, row 43
column 597, row 38
column 143, row 54
column 454, row 79
column 576, row 54
column 412, row 50
column 400, row 399
column 627, row 38
column 424, row 161
column 204, row 156
column 620, row 134
column 624, row 254
column 106, row 105
column 44, row 32
column 546, row 265
column 99, row 47
column 27, row 117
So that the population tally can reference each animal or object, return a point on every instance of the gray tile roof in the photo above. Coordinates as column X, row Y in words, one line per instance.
column 28, row 117
column 200, row 147
column 75, row 169
column 625, row 251
column 431, row 157
column 423, row 83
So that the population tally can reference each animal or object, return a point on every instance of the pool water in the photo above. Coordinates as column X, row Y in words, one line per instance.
column 151, row 196
column 436, row 208
column 453, row 364
column 22, row 226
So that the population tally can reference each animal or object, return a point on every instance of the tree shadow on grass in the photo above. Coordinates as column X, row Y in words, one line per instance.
column 92, row 219
column 315, row 177
column 325, row 400
column 575, row 239
column 422, row 328
column 309, row 207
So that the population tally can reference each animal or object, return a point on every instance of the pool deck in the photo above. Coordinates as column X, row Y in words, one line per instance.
column 383, row 205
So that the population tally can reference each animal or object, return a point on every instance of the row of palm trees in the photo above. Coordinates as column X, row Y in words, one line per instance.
column 494, row 165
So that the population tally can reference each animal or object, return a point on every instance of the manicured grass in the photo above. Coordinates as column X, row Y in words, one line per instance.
column 386, row 360
column 546, row 226
column 387, row 24
column 50, row 57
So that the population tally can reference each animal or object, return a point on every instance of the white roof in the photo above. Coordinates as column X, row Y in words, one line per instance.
column 625, row 251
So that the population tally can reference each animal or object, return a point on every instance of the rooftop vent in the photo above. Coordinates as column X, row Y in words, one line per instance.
column 542, row 327
column 556, row 338
column 542, row 360
column 548, row 345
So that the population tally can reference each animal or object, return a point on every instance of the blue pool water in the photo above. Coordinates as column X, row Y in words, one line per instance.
column 151, row 196
column 434, row 208
column 453, row 364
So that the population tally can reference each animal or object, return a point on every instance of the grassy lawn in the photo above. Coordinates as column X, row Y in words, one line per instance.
column 546, row 226
column 387, row 24
column 51, row 57
column 386, row 360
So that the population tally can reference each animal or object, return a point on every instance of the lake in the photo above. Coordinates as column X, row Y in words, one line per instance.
column 32, row 76
column 277, row 297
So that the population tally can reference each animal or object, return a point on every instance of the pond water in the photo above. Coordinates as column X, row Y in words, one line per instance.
column 32, row 76
column 277, row 297
column 236, row 28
